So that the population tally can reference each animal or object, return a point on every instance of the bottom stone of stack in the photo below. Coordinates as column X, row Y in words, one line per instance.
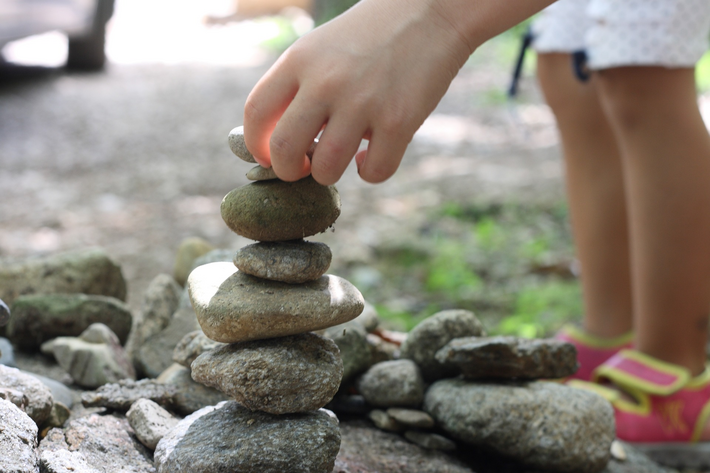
column 299, row 373
column 230, row 437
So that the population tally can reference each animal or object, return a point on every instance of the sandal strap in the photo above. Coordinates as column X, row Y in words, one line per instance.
column 633, row 370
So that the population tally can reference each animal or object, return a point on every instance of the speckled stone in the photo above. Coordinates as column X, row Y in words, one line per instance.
column 510, row 357
column 280, row 376
column 121, row 396
column 259, row 173
column 280, row 211
column 544, row 425
column 395, row 383
column 39, row 396
column 294, row 262
column 18, row 440
column 191, row 346
column 150, row 422
column 230, row 437
column 232, row 306
column 239, row 146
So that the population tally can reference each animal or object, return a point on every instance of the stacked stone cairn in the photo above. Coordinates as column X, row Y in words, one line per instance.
column 264, row 307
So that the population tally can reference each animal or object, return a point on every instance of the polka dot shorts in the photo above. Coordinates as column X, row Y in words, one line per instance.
column 614, row 33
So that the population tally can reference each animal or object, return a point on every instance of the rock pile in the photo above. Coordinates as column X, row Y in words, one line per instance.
column 264, row 308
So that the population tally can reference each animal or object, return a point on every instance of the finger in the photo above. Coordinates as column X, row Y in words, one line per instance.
column 293, row 136
column 337, row 146
column 265, row 105
column 382, row 157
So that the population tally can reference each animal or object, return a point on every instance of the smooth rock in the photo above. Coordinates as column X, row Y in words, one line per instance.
column 189, row 250
column 156, row 354
column 230, row 437
column 39, row 397
column 60, row 392
column 432, row 334
column 411, row 418
column 191, row 346
column 7, row 353
column 41, row 317
column 365, row 449
column 4, row 313
column 93, row 359
column 294, row 262
column 544, row 425
column 190, row 396
column 160, row 301
column 284, row 375
column 150, row 422
column 121, row 396
column 354, row 349
column 384, row 421
column 510, row 357
column 18, row 440
column 280, row 211
column 395, row 383
column 239, row 146
column 94, row 443
column 259, row 173
column 232, row 306
column 88, row 271
column 430, row 440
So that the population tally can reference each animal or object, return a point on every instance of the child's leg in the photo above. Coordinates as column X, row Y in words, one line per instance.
column 595, row 188
column 666, row 159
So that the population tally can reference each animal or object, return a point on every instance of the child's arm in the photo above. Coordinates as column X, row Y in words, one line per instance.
column 376, row 72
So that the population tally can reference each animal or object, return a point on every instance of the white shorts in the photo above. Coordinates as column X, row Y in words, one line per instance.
column 614, row 33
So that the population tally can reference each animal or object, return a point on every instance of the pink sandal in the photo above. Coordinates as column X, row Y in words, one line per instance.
column 659, row 407
column 591, row 351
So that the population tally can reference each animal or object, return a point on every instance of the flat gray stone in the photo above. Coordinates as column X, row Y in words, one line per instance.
column 191, row 346
column 384, row 421
column 239, row 146
column 189, row 250
column 160, row 301
column 365, row 449
column 510, row 357
column 190, row 396
column 38, row 395
column 432, row 334
column 430, row 440
column 18, row 440
column 150, row 422
column 395, row 383
column 293, row 262
column 231, row 438
column 232, row 306
column 88, row 271
column 281, row 211
column 94, row 443
column 356, row 353
column 283, row 375
column 93, row 359
column 121, row 396
column 259, row 173
column 4, row 313
column 543, row 425
column 42, row 317
column 412, row 418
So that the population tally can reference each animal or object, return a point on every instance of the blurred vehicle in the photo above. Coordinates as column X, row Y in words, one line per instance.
column 83, row 21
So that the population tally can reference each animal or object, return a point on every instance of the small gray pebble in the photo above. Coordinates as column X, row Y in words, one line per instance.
column 259, row 173
column 238, row 146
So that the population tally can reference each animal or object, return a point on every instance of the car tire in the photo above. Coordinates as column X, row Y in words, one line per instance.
column 88, row 53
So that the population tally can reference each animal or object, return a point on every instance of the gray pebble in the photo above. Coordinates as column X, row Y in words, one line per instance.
column 239, row 146
column 411, row 417
column 429, row 440
column 259, row 173
column 294, row 262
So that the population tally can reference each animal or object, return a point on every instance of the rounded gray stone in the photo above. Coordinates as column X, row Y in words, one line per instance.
column 150, row 422
column 280, row 375
column 18, row 440
column 39, row 396
column 294, row 262
column 510, row 357
column 259, row 173
column 232, row 306
column 280, row 211
column 230, row 437
column 384, row 421
column 190, row 395
column 41, row 317
column 355, row 351
column 395, row 383
column 191, row 346
column 239, row 146
column 432, row 334
column 411, row 417
column 544, row 425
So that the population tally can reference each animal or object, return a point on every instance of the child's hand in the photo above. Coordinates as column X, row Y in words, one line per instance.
column 375, row 72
